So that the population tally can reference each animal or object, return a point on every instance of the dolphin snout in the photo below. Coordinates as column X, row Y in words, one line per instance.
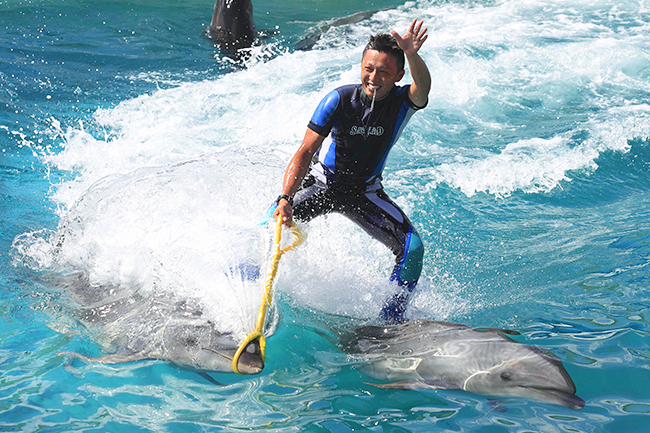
column 250, row 361
column 556, row 396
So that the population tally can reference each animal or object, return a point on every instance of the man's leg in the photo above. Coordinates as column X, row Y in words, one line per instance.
column 380, row 217
column 311, row 200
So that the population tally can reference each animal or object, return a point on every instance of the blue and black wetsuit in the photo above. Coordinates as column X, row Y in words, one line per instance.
column 345, row 177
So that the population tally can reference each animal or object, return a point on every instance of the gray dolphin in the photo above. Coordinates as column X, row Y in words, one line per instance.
column 315, row 33
column 193, row 346
column 232, row 26
column 440, row 355
column 132, row 326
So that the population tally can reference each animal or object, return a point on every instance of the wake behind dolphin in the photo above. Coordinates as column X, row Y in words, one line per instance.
column 440, row 355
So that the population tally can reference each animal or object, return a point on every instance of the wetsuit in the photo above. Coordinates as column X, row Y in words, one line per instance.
column 345, row 177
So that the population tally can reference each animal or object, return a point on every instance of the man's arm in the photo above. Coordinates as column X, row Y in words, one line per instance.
column 296, row 172
column 410, row 43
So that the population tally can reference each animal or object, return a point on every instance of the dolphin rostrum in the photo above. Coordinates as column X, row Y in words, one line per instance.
column 232, row 26
column 440, row 355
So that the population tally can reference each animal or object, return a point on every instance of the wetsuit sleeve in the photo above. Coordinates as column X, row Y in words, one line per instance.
column 403, row 91
column 324, row 116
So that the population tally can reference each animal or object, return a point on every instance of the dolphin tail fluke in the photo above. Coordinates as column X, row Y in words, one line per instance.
column 416, row 384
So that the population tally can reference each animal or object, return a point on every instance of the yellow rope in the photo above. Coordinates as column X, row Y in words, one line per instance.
column 267, row 298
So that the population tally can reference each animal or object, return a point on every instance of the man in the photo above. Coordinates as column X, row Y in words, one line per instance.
column 365, row 121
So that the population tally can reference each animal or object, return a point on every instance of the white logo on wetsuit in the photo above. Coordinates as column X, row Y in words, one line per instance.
column 373, row 130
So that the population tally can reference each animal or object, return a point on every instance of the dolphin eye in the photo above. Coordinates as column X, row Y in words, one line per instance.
column 506, row 375
column 191, row 341
column 406, row 352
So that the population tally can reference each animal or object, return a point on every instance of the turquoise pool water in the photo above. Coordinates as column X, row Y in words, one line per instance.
column 528, row 177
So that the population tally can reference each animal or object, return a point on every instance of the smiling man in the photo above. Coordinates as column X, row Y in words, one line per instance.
column 343, row 174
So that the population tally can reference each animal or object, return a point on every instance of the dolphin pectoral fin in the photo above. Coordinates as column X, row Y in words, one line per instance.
column 416, row 384
column 115, row 358
column 496, row 405
column 209, row 378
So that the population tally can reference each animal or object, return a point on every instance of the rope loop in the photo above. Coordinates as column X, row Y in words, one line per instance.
column 267, row 298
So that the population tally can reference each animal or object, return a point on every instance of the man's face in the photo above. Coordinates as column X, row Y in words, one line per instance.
column 379, row 71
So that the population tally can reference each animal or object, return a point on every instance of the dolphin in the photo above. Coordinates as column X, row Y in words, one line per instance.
column 441, row 355
column 314, row 34
column 232, row 26
column 132, row 326
column 192, row 346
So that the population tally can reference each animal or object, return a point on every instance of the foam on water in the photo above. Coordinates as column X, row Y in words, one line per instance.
column 526, row 177
column 493, row 70
column 174, row 230
column 148, row 221
column 175, row 174
column 488, row 68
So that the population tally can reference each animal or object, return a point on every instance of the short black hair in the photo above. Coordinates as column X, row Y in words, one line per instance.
column 385, row 43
